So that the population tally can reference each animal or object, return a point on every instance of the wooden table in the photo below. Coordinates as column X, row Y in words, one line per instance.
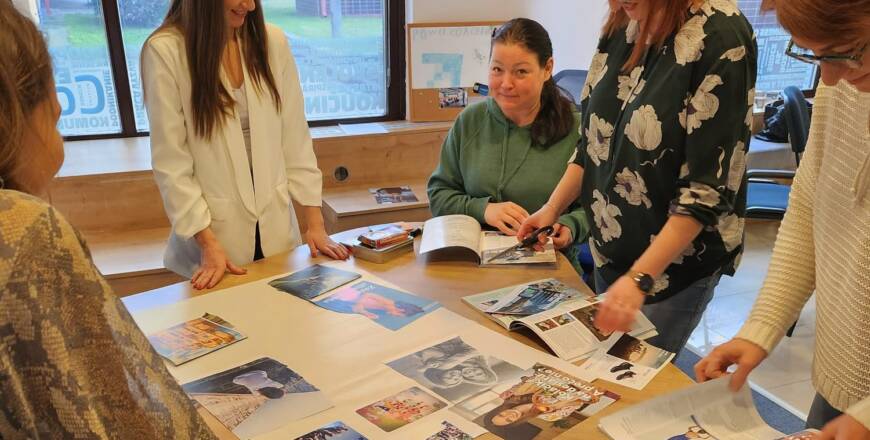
column 442, row 278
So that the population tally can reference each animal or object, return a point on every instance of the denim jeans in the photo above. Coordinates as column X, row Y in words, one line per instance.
column 676, row 317
column 821, row 412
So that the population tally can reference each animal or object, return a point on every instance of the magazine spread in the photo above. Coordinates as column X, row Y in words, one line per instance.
column 704, row 411
column 544, row 403
column 563, row 320
column 464, row 232
column 189, row 340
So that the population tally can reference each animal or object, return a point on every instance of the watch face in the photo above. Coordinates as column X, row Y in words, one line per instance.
column 644, row 282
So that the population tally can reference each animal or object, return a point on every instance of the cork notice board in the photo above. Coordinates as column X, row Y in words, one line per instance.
column 444, row 62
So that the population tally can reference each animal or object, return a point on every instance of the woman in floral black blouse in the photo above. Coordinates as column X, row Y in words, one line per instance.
column 667, row 108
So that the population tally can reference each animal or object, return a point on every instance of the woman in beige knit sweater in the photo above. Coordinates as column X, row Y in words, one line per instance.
column 824, row 240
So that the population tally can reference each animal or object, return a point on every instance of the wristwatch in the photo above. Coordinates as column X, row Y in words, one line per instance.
column 644, row 281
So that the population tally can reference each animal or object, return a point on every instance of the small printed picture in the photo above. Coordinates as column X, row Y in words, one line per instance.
column 390, row 308
column 449, row 431
column 393, row 194
column 455, row 370
column 189, row 340
column 564, row 319
column 547, row 324
column 313, row 281
column 536, row 298
column 333, row 431
column 396, row 411
column 452, row 97
column 637, row 352
column 257, row 397
column 586, row 316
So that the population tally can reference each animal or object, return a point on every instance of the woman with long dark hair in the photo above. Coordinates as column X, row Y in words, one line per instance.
column 502, row 157
column 73, row 363
column 229, row 141
column 660, row 162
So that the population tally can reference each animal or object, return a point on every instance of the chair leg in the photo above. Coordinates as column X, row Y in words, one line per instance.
column 791, row 329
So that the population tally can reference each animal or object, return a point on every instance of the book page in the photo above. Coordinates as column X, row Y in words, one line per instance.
column 450, row 231
column 707, row 410
column 483, row 301
column 493, row 243
column 568, row 330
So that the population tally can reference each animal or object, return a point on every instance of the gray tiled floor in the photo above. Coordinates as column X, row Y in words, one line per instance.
column 785, row 375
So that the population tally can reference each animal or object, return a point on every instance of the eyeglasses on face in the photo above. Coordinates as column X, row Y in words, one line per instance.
column 853, row 60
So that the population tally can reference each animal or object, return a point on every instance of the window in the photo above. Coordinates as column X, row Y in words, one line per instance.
column 343, row 51
column 776, row 71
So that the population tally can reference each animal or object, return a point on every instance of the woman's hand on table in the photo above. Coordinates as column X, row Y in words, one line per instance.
column 213, row 262
column 320, row 242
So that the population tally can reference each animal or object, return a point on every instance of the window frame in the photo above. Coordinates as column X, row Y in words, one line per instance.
column 394, row 45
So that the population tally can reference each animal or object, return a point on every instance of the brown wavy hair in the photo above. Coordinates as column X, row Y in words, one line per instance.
column 25, row 83
column 555, row 120
column 835, row 22
column 203, row 25
column 673, row 16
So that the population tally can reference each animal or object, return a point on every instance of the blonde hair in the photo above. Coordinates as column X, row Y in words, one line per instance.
column 25, row 83
column 834, row 22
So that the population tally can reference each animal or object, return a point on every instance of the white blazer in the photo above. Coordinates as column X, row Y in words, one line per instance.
column 208, row 182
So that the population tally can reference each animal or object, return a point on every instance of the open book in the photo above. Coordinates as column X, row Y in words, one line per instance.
column 704, row 411
column 464, row 232
column 561, row 316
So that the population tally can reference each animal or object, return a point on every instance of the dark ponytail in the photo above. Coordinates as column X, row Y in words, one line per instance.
column 555, row 120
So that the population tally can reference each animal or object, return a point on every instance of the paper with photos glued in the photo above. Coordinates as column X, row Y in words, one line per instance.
column 313, row 281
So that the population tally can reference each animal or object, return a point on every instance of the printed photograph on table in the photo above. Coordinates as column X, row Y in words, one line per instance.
column 393, row 194
column 449, row 431
column 455, row 370
column 542, row 405
column 257, row 397
column 189, row 340
column 313, row 281
column 639, row 352
column 390, row 308
column 547, row 324
column 396, row 411
column 536, row 298
column 333, row 431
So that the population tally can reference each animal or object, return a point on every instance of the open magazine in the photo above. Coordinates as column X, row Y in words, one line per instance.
column 561, row 316
column 704, row 411
column 464, row 232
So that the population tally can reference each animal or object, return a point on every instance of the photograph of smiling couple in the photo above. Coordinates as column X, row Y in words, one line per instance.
column 455, row 370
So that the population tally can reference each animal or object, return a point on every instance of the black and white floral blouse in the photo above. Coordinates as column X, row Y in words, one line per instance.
column 670, row 137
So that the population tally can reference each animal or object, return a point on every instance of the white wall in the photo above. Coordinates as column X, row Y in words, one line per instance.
column 574, row 25
column 422, row 11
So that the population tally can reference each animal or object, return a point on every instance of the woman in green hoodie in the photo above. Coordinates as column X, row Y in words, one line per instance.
column 504, row 156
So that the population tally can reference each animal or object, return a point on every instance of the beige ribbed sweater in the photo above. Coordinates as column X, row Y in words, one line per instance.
column 824, row 243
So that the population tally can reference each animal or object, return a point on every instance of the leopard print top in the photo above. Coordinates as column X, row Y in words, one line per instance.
column 73, row 364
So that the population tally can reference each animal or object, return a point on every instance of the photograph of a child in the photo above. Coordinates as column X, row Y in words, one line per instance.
column 455, row 370
column 545, row 403
column 638, row 352
column 333, row 431
column 396, row 411
column 393, row 194
column 586, row 316
column 313, row 281
column 536, row 298
column 390, row 308
column 257, row 397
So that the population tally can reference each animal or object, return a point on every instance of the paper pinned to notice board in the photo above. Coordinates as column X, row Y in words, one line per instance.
column 445, row 57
